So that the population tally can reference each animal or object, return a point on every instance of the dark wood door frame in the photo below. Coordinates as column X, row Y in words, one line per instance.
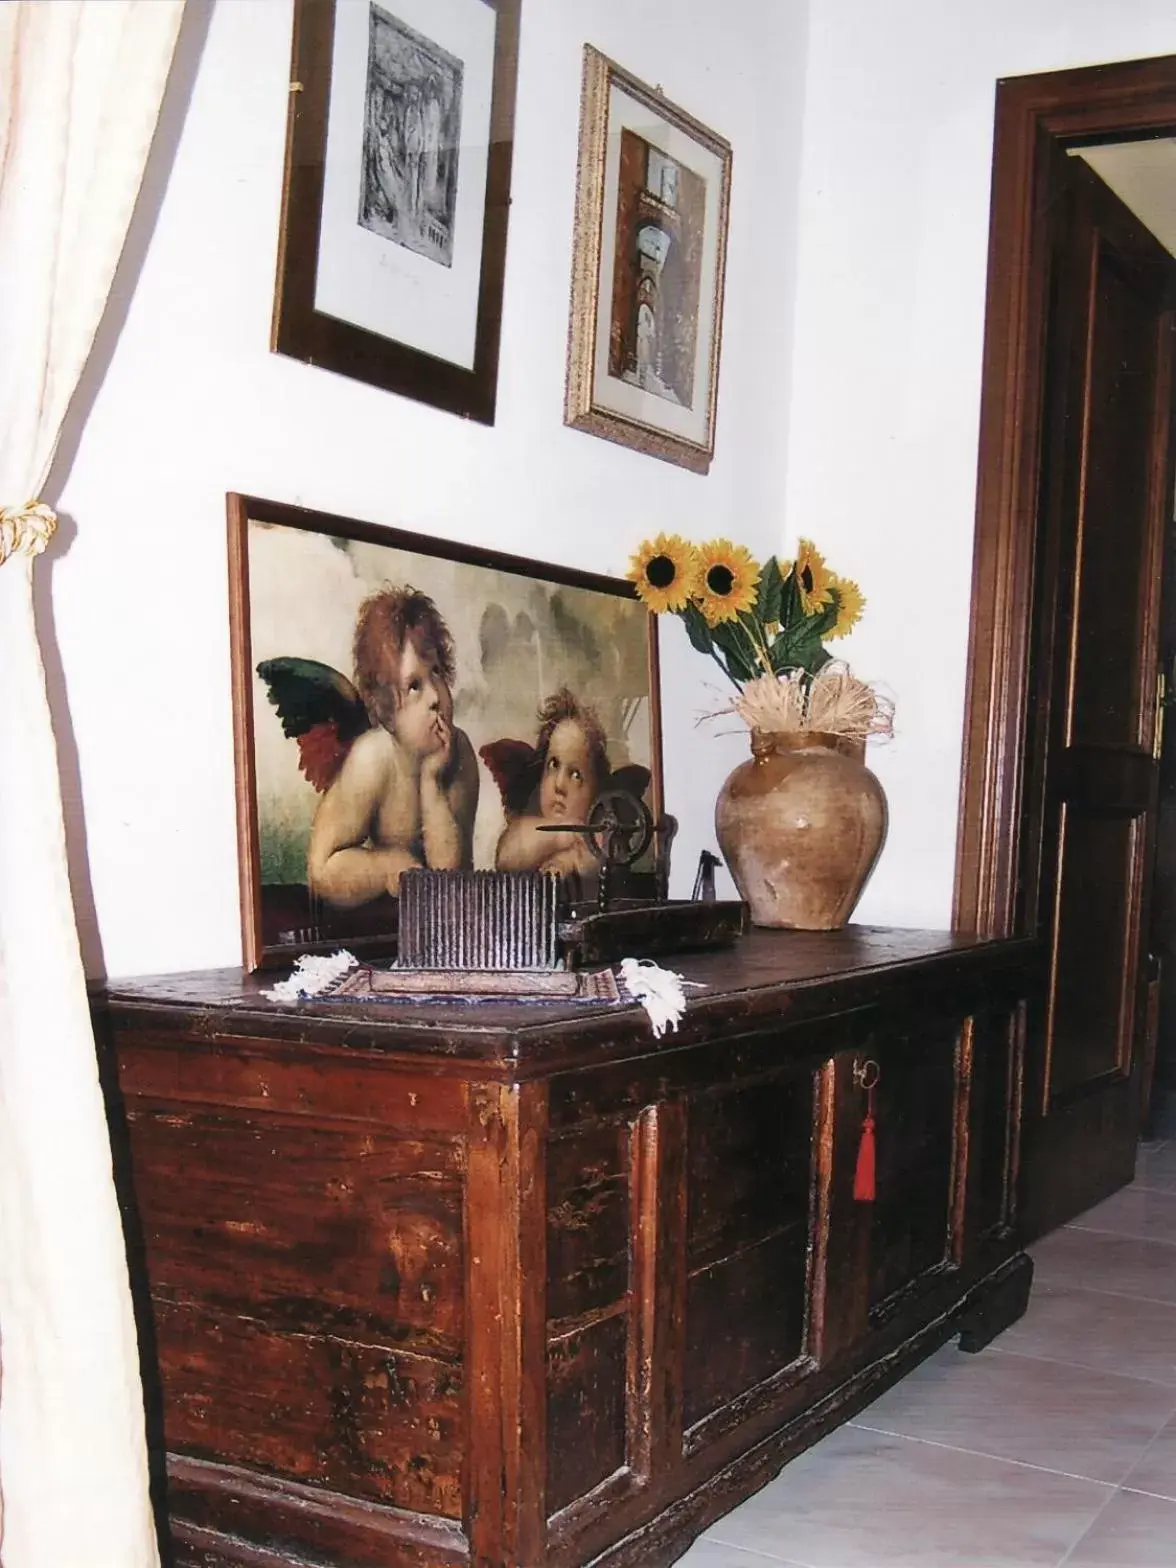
column 1036, row 116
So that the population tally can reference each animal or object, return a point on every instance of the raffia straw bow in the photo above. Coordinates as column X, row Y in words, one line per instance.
column 835, row 702
column 27, row 529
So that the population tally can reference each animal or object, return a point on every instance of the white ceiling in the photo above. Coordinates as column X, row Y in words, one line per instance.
column 1143, row 176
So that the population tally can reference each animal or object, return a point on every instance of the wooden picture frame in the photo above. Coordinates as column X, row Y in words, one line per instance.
column 649, row 259
column 514, row 634
column 397, row 194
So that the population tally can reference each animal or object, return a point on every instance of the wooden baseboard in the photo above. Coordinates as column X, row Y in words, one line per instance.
column 220, row 1514
column 993, row 1304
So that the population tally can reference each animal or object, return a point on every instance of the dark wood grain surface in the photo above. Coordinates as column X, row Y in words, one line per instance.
column 769, row 974
column 527, row 1288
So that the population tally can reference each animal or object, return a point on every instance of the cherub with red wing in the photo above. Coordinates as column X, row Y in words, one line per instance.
column 554, row 781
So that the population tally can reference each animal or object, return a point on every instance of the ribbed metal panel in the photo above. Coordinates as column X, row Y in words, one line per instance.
column 478, row 920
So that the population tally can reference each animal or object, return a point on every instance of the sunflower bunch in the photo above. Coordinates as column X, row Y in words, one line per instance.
column 752, row 620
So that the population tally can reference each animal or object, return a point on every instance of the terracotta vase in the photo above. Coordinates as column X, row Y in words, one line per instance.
column 800, row 826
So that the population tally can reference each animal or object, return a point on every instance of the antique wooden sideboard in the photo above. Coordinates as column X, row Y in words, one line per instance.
column 517, row 1287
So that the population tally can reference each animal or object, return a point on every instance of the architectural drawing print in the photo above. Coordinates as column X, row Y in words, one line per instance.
column 661, row 212
column 411, row 139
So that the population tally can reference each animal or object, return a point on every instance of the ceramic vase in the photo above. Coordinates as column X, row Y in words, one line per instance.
column 801, row 825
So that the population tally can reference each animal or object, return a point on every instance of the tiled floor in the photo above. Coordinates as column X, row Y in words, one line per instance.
column 1055, row 1445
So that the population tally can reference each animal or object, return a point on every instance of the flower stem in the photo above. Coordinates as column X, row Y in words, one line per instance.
column 722, row 666
column 758, row 645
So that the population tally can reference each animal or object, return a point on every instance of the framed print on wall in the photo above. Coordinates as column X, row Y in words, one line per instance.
column 399, row 701
column 397, row 191
column 652, row 199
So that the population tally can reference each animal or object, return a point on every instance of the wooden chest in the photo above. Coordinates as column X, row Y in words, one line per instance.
column 523, row 1287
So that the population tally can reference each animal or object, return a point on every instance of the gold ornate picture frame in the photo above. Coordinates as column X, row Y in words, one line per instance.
column 649, row 257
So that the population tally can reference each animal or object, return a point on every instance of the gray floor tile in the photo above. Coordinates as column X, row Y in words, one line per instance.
column 1008, row 1459
column 1075, row 1420
column 718, row 1554
column 1098, row 1260
column 1134, row 1211
column 1131, row 1532
column 1090, row 1328
column 1156, row 1167
column 865, row 1500
column 1156, row 1470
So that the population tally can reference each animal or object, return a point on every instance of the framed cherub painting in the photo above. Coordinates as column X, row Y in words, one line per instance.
column 402, row 701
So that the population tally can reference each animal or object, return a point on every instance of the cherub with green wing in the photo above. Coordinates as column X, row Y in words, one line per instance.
column 399, row 779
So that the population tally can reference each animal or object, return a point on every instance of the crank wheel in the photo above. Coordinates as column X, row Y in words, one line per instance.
column 620, row 827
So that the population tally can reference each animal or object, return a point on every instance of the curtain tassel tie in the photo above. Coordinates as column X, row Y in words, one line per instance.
column 26, row 529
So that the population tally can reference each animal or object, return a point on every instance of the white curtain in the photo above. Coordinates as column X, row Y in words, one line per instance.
column 80, row 89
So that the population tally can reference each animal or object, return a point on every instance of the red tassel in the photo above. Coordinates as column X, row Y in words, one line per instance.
column 863, row 1175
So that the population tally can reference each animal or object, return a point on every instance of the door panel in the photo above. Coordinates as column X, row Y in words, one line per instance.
column 1102, row 500
column 915, row 1099
column 1094, row 961
column 747, row 1237
column 1118, row 567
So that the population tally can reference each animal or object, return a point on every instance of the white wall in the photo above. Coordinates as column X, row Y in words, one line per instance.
column 189, row 403
column 886, row 376
column 857, row 427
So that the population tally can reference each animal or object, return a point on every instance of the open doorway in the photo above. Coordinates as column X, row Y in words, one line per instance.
column 1142, row 173
column 1060, row 781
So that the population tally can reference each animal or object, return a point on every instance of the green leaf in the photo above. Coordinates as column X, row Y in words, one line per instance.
column 725, row 636
column 812, row 655
column 819, row 660
column 697, row 630
column 771, row 593
column 790, row 610
column 800, row 647
column 736, row 650
column 826, row 618
column 753, row 640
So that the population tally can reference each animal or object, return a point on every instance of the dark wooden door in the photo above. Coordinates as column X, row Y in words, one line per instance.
column 1105, row 493
column 1162, row 986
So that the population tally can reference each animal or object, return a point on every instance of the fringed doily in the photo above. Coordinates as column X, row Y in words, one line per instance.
column 341, row 977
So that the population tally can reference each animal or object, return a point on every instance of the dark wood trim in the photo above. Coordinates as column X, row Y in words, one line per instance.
column 256, row 508
column 839, row 1286
column 1151, row 1032
column 244, row 759
column 825, row 1110
column 657, row 787
column 765, row 984
column 1018, row 1035
column 505, row 1243
column 658, row 1224
column 220, row 1503
column 1036, row 117
column 305, row 333
column 961, row 1188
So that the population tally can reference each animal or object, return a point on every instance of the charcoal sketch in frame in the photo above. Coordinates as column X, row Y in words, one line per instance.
column 400, row 700
column 653, row 193
column 411, row 138
column 397, row 191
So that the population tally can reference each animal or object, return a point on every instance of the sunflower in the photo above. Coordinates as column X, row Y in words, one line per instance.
column 665, row 573
column 727, row 580
column 850, row 604
column 814, row 580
